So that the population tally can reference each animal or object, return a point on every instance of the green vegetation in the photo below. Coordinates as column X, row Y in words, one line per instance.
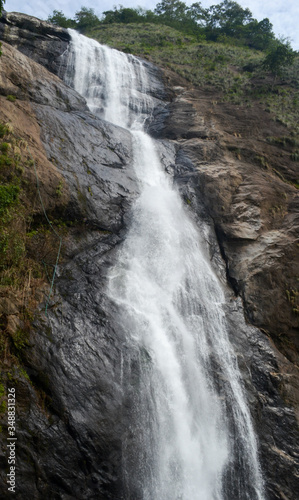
column 14, row 208
column 279, row 57
column 28, row 245
column 11, row 98
column 232, row 73
column 1, row 7
column 28, row 253
column 223, row 22
column 59, row 19
column 293, row 299
column 222, row 49
column 59, row 189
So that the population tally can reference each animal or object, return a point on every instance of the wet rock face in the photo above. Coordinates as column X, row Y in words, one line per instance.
column 73, row 415
column 256, row 222
column 69, row 422
column 76, row 361
column 255, row 211
column 95, row 160
column 41, row 41
column 263, row 372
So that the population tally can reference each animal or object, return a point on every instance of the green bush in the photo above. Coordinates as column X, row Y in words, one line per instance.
column 3, row 130
column 281, row 55
column 8, row 196
column 4, row 147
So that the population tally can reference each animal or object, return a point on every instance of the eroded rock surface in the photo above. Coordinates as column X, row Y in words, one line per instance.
column 72, row 415
column 249, row 188
column 41, row 41
column 254, row 208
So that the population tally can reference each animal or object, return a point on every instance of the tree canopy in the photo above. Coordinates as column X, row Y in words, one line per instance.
column 279, row 56
column 86, row 19
column 225, row 22
column 59, row 19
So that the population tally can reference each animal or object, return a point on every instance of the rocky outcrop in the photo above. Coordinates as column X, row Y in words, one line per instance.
column 226, row 167
column 41, row 41
column 72, row 413
column 249, row 188
column 70, row 418
column 92, row 162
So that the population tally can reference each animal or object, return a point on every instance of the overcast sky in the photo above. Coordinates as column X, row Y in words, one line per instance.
column 283, row 14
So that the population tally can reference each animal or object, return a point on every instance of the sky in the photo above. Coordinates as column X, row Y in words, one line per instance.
column 283, row 14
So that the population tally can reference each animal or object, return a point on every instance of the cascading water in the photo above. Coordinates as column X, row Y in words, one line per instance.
column 191, row 436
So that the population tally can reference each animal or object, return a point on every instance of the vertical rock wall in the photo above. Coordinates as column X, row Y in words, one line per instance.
column 71, row 415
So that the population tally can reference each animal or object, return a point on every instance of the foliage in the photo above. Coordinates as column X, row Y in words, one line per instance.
column 229, row 17
column 8, row 196
column 85, row 19
column 11, row 98
column 12, row 208
column 59, row 19
column 124, row 15
column 2, row 2
column 233, row 73
column 1, row 7
column 172, row 9
column 27, row 247
column 222, row 22
column 279, row 56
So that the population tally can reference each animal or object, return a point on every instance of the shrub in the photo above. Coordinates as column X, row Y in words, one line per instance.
column 280, row 56
column 8, row 196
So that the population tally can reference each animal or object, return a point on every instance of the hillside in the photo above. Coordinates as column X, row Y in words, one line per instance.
column 231, row 73
column 255, row 119
column 229, row 142
column 252, row 117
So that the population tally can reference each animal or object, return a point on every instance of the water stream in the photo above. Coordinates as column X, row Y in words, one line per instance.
column 191, row 436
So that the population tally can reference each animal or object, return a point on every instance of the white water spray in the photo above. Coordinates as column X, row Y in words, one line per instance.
column 191, row 426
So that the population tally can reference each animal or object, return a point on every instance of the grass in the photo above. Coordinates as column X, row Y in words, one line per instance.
column 28, row 246
column 15, row 210
column 28, row 252
column 234, row 73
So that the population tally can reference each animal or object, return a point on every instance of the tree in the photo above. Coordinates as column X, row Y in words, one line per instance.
column 123, row 15
column 59, row 19
column 198, row 14
column 259, row 35
column 171, row 10
column 280, row 56
column 1, row 7
column 86, row 19
column 176, row 14
column 229, row 16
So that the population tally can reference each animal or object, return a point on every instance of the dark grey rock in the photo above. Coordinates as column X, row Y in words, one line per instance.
column 41, row 41
column 73, row 415
column 95, row 159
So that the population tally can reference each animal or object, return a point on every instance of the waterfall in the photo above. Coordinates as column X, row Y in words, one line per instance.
column 190, row 435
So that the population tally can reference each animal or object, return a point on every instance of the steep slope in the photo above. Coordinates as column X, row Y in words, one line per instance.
column 70, row 413
column 247, row 186
column 235, row 116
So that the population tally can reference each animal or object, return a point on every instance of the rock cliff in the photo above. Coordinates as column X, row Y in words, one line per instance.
column 70, row 409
